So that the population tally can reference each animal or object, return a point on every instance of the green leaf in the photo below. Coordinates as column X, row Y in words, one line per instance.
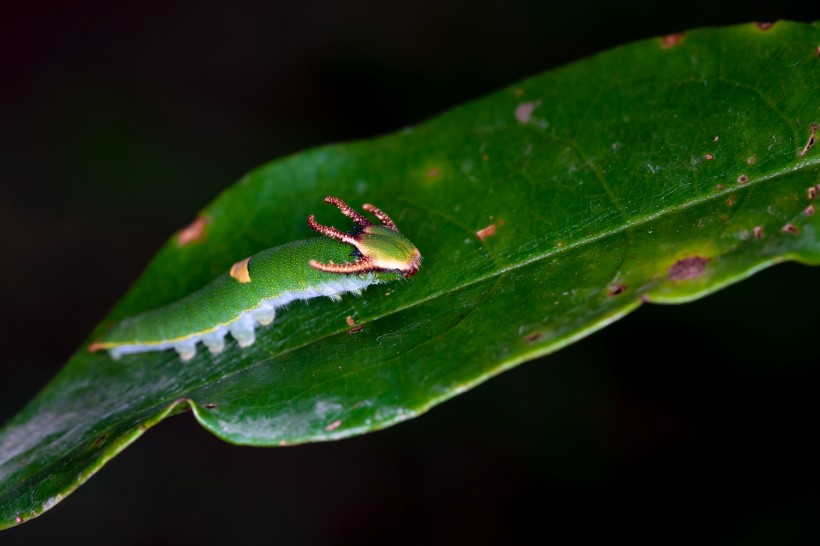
column 656, row 172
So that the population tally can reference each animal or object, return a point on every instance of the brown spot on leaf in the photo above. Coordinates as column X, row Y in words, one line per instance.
column 432, row 173
column 209, row 405
column 333, row 426
column 812, row 139
column 671, row 40
column 791, row 228
column 518, row 91
column 752, row 160
column 811, row 192
column 709, row 157
column 764, row 25
column 283, row 443
column 731, row 201
column 352, row 322
column 240, row 271
column 193, row 232
column 742, row 179
column 616, row 289
column 485, row 157
column 96, row 346
column 719, row 187
column 100, row 440
column 532, row 338
column 687, row 268
column 19, row 519
column 809, row 211
column 758, row 232
column 488, row 231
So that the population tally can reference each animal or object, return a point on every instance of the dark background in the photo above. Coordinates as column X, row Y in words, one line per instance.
column 119, row 122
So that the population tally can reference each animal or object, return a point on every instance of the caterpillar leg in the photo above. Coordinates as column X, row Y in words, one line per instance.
column 264, row 314
column 186, row 349
column 215, row 341
column 242, row 329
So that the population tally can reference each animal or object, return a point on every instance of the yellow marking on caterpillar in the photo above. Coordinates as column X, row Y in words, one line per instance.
column 239, row 271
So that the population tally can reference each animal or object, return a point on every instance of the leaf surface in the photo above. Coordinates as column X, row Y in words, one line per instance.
column 655, row 172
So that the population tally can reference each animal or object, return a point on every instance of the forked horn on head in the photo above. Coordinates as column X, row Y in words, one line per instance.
column 363, row 263
column 345, row 209
column 333, row 233
column 362, row 266
column 378, row 213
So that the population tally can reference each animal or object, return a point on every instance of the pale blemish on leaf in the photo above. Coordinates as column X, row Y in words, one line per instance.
column 616, row 289
column 671, row 40
column 532, row 338
column 488, row 231
column 193, row 232
column 355, row 329
column 51, row 502
column 333, row 426
column 523, row 112
column 812, row 139
column 758, row 232
column 688, row 268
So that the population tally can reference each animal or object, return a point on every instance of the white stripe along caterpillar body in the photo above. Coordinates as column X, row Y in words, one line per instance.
column 248, row 296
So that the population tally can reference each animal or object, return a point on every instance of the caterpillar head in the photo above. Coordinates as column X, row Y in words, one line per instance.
column 381, row 247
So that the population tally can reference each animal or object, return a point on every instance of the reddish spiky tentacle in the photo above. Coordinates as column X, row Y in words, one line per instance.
column 347, row 211
column 383, row 218
column 333, row 233
column 362, row 266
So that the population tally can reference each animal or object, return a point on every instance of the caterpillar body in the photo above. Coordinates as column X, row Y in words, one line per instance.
column 248, row 296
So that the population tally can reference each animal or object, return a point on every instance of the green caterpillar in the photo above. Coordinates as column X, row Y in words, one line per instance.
column 255, row 287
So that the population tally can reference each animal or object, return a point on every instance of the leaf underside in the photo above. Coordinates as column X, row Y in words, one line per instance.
column 655, row 172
